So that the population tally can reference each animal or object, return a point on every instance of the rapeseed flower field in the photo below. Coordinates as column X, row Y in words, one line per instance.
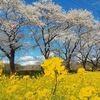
column 55, row 84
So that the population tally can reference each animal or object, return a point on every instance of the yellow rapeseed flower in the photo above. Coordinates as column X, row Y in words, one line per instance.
column 87, row 92
column 96, row 98
column 1, row 67
column 72, row 98
column 43, row 93
column 11, row 89
column 53, row 66
column 81, row 71
column 29, row 95
column 26, row 77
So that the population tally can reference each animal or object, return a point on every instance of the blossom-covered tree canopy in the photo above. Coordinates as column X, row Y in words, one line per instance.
column 54, row 30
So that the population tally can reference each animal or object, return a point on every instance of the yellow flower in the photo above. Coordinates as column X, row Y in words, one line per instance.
column 20, row 98
column 12, row 77
column 12, row 89
column 1, row 67
column 81, row 71
column 29, row 95
column 43, row 93
column 96, row 98
column 53, row 66
column 26, row 77
column 87, row 92
column 72, row 98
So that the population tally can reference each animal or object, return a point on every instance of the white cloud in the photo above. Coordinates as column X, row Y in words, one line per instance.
column 29, row 60
column 5, row 60
column 26, row 58
column 30, row 63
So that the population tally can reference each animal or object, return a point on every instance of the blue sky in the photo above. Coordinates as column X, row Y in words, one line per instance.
column 91, row 5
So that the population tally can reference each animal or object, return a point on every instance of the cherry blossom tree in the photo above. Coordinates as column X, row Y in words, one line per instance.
column 72, row 34
column 94, row 55
column 52, row 17
column 14, row 15
column 77, row 24
column 87, row 44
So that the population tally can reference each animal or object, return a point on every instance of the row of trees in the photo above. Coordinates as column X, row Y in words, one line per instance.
column 73, row 35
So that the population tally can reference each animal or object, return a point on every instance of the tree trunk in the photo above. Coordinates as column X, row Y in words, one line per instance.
column 46, row 55
column 12, row 62
column 84, row 65
column 68, row 65
column 94, row 67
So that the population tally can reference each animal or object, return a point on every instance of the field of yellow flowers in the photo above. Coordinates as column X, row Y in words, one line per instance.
column 55, row 84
